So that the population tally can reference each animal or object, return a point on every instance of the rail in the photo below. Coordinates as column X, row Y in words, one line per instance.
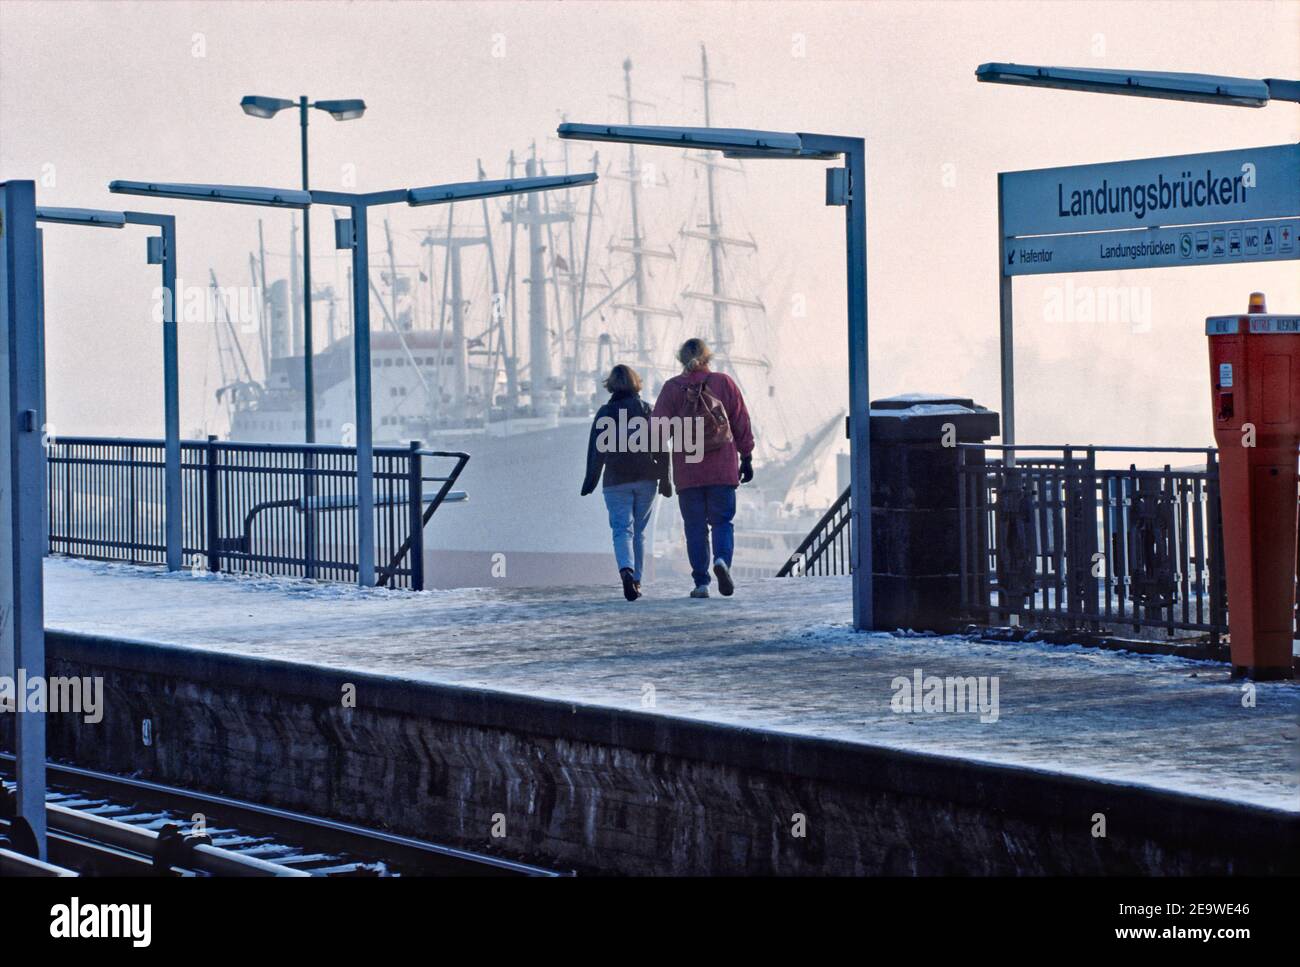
column 106, row 824
column 246, row 507
column 826, row 550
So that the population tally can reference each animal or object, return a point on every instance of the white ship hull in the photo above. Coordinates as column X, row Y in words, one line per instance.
column 525, row 523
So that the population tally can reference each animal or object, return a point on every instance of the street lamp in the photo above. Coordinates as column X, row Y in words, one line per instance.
column 845, row 186
column 1170, row 85
column 1167, row 85
column 161, row 251
column 350, row 233
column 343, row 110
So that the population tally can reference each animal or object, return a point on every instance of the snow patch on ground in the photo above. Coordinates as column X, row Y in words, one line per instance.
column 780, row 655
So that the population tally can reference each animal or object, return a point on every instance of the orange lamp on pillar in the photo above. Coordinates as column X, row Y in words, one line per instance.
column 1255, row 380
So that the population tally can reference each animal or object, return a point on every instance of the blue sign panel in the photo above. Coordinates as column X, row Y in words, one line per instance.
column 1154, row 248
column 1223, row 206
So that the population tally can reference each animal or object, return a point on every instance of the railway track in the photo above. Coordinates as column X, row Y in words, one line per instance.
column 103, row 824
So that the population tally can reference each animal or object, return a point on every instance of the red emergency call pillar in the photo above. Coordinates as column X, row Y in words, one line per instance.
column 1255, row 381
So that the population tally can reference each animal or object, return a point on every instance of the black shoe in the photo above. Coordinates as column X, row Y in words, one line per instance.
column 630, row 589
column 726, row 586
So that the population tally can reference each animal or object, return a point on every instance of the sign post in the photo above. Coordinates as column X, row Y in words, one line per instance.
column 22, row 503
column 1185, row 210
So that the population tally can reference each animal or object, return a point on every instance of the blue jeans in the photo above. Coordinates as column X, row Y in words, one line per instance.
column 629, row 507
column 705, row 509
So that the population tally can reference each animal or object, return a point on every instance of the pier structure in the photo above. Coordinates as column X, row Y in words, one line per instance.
column 753, row 735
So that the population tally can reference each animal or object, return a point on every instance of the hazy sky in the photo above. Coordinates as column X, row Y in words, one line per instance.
column 90, row 92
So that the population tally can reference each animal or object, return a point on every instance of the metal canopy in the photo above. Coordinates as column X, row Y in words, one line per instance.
column 81, row 216
column 1206, row 88
column 1201, row 242
column 766, row 143
column 232, row 194
column 352, row 233
column 164, row 255
column 292, row 198
column 461, row 191
column 846, row 187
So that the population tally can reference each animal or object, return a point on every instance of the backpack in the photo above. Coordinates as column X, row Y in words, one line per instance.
column 702, row 404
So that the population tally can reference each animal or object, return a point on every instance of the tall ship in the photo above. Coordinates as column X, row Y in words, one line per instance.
column 495, row 329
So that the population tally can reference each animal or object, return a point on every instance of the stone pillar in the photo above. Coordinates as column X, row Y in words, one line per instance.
column 916, row 558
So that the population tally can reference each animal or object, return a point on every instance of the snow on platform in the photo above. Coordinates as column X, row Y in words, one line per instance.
column 779, row 655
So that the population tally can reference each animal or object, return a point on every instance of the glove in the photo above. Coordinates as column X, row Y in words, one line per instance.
column 665, row 487
column 746, row 468
column 588, row 486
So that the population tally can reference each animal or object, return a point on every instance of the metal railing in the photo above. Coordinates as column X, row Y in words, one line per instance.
column 267, row 508
column 826, row 549
column 1051, row 539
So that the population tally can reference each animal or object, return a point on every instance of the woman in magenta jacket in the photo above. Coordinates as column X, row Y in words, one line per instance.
column 706, row 481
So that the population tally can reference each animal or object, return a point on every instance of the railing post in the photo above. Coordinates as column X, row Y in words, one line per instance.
column 415, row 499
column 963, row 545
column 132, row 528
column 1214, row 511
column 172, row 497
column 212, row 505
column 1090, row 583
column 309, row 517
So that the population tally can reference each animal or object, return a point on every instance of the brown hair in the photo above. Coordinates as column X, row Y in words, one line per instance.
column 694, row 355
column 623, row 379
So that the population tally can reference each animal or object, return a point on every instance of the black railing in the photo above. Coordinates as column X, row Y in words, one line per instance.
column 826, row 549
column 1050, row 539
column 264, row 508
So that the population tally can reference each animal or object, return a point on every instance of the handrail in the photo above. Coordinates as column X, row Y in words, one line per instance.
column 221, row 445
column 814, row 534
column 1055, row 541
column 416, row 536
column 104, row 502
column 1084, row 447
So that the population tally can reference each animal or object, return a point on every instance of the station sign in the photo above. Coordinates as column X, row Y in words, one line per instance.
column 1201, row 209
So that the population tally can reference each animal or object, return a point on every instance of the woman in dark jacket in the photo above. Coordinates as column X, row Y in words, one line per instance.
column 622, row 446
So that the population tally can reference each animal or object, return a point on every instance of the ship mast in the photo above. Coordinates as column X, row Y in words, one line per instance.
column 539, row 341
column 641, row 310
column 638, row 259
column 460, row 363
column 715, row 230
column 711, row 231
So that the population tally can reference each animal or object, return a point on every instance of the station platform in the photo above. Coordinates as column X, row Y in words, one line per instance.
column 772, row 686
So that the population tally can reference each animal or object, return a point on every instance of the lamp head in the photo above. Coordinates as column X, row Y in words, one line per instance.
column 346, row 110
column 263, row 107
column 1169, row 85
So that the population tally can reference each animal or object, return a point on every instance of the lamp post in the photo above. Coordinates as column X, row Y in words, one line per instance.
column 1166, row 85
column 22, row 632
column 350, row 233
column 161, row 251
column 1169, row 85
column 846, row 187
column 345, row 110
